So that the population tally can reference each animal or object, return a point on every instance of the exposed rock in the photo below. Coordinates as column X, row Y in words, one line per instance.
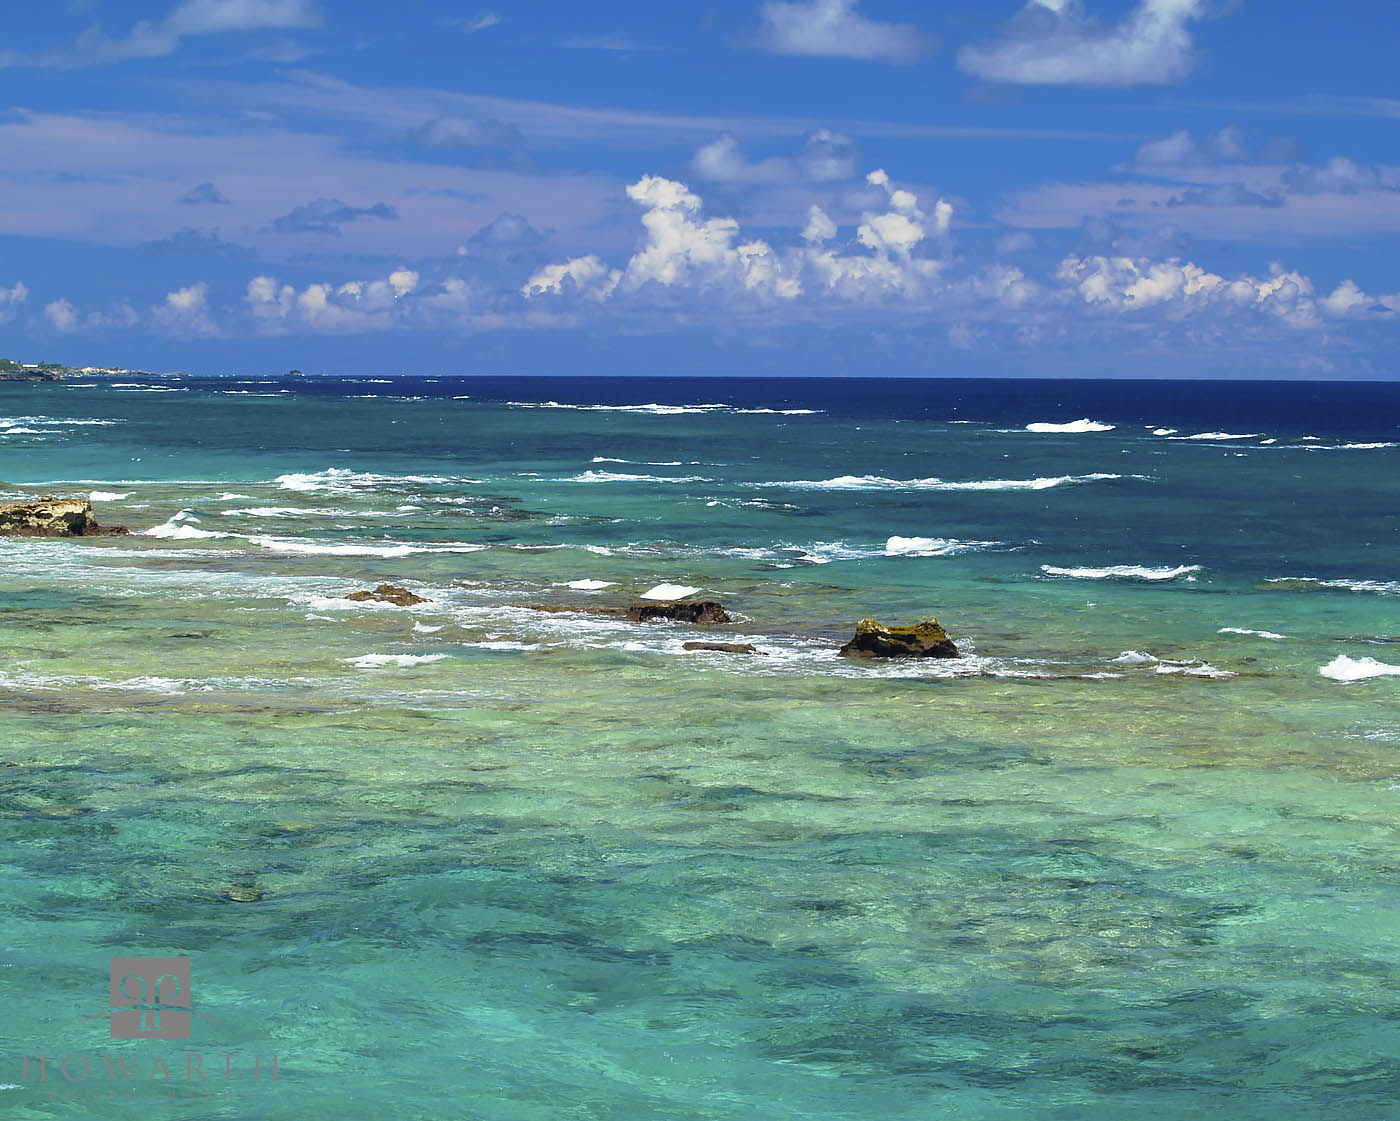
column 53, row 517
column 923, row 640
column 683, row 611
column 727, row 647
column 389, row 593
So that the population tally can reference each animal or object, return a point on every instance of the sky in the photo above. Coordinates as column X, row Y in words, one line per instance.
column 1059, row 188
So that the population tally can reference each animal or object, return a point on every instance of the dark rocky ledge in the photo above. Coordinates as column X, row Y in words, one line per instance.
column 727, row 647
column 388, row 593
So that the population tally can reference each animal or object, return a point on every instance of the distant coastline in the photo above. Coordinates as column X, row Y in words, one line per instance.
column 10, row 370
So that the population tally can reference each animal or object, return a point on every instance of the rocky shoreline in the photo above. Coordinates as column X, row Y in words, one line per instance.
column 54, row 517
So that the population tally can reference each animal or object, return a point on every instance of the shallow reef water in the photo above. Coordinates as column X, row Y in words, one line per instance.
column 1133, row 855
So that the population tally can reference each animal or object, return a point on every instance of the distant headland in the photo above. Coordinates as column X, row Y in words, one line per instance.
column 10, row 370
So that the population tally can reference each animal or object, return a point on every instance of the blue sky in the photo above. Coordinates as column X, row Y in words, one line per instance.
column 1126, row 188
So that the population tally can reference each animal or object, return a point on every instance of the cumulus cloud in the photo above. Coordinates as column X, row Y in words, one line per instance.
column 466, row 132
column 826, row 156
column 62, row 314
column 206, row 194
column 1181, row 289
column 11, row 298
column 326, row 216
column 684, row 251
column 356, row 305
column 834, row 29
column 153, row 39
column 1055, row 42
column 186, row 310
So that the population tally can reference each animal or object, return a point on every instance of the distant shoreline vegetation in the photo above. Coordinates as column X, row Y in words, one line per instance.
column 10, row 370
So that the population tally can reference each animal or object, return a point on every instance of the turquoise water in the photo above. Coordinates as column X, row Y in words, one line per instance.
column 1133, row 855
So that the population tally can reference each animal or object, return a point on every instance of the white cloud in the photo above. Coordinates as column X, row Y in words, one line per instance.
column 1345, row 298
column 62, row 314
column 834, row 29
column 686, row 252
column 153, row 39
column 186, row 310
column 355, row 305
column 1054, row 42
column 1180, row 289
column 11, row 298
column 826, row 156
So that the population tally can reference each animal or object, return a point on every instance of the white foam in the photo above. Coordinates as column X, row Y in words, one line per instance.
column 1123, row 572
column 616, row 477
column 1246, row 630
column 590, row 585
column 879, row 482
column 344, row 480
column 1342, row 668
column 646, row 462
column 177, row 528
column 1164, row 431
column 1374, row 587
column 669, row 591
column 930, row 546
column 375, row 661
column 229, row 496
column 297, row 545
column 1220, row 436
column 1135, row 658
column 1193, row 669
column 1370, row 447
column 658, row 410
column 423, row 628
column 107, row 496
column 1082, row 425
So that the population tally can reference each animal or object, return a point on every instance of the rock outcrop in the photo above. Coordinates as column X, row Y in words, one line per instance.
column 388, row 593
column 53, row 517
column 923, row 640
column 682, row 611
column 726, row 647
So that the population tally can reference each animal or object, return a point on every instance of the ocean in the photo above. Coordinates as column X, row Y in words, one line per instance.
column 1133, row 855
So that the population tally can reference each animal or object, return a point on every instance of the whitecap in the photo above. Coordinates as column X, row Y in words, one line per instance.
column 1246, row 630
column 1123, row 571
column 1082, row 425
column 343, row 480
column 1135, row 658
column 615, row 477
column 423, row 628
column 1165, row 431
column 1374, row 587
column 107, row 496
column 669, row 591
column 930, row 546
column 178, row 528
column 1342, row 668
column 1370, row 447
column 1220, row 436
column 375, row 661
column 1193, row 669
column 879, row 482
column 397, row 549
column 590, row 585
